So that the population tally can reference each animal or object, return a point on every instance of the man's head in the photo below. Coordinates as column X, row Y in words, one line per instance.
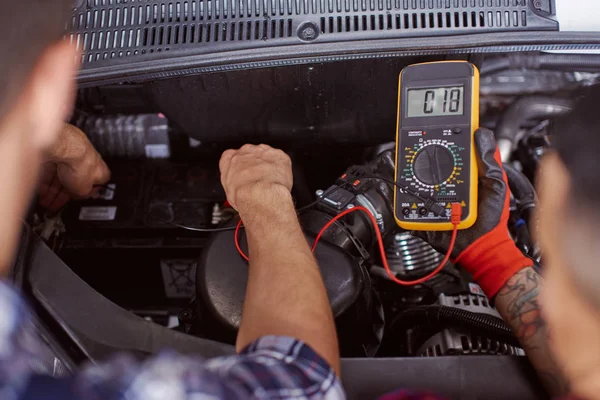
column 36, row 94
column 569, row 232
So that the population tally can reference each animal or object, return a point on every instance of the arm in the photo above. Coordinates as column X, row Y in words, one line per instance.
column 490, row 255
column 517, row 302
column 285, row 295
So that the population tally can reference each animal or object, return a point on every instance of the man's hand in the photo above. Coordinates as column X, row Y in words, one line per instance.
column 486, row 249
column 256, row 178
column 72, row 170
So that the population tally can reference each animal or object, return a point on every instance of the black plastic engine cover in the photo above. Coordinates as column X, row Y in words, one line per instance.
column 222, row 276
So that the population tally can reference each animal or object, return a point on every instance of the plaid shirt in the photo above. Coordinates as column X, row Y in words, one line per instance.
column 270, row 368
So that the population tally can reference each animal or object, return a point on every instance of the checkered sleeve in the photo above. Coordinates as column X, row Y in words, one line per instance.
column 273, row 367
column 276, row 367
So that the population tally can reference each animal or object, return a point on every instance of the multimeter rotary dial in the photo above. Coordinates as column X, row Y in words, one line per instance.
column 433, row 164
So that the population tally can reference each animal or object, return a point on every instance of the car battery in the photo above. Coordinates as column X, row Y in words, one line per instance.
column 128, row 242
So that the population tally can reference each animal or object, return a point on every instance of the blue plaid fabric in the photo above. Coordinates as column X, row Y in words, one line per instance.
column 270, row 368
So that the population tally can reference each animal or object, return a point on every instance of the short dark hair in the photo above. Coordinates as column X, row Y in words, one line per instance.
column 576, row 137
column 27, row 29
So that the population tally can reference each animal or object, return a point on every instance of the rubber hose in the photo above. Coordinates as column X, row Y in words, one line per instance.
column 571, row 62
column 528, row 108
column 526, row 197
column 521, row 188
column 485, row 324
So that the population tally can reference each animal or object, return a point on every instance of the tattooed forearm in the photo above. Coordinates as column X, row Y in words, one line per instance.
column 518, row 304
column 519, row 299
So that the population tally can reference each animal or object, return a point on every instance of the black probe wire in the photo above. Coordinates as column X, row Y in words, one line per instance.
column 191, row 228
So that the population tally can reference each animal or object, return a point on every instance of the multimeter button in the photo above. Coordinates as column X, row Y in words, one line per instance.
column 433, row 165
column 456, row 131
column 406, row 211
column 423, row 211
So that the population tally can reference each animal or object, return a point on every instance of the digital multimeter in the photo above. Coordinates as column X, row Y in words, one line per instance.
column 438, row 113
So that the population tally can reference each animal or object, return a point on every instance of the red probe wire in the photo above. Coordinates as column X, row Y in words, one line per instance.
column 237, row 241
column 456, row 215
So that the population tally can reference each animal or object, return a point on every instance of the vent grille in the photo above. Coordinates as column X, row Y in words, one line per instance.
column 439, row 20
column 123, row 30
column 112, row 29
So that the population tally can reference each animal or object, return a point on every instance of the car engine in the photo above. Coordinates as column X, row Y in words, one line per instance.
column 160, row 239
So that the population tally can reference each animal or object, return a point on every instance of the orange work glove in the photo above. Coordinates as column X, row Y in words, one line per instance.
column 486, row 250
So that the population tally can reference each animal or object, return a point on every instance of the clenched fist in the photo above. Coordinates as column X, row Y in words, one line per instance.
column 256, row 178
column 72, row 170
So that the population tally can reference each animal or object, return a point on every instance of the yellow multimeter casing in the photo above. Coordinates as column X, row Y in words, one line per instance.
column 438, row 114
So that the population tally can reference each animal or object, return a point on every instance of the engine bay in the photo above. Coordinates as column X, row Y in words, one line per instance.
column 160, row 240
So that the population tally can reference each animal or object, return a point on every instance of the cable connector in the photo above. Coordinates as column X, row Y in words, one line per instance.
column 456, row 215
column 434, row 207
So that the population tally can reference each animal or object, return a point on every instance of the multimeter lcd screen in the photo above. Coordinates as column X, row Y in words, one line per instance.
column 436, row 102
